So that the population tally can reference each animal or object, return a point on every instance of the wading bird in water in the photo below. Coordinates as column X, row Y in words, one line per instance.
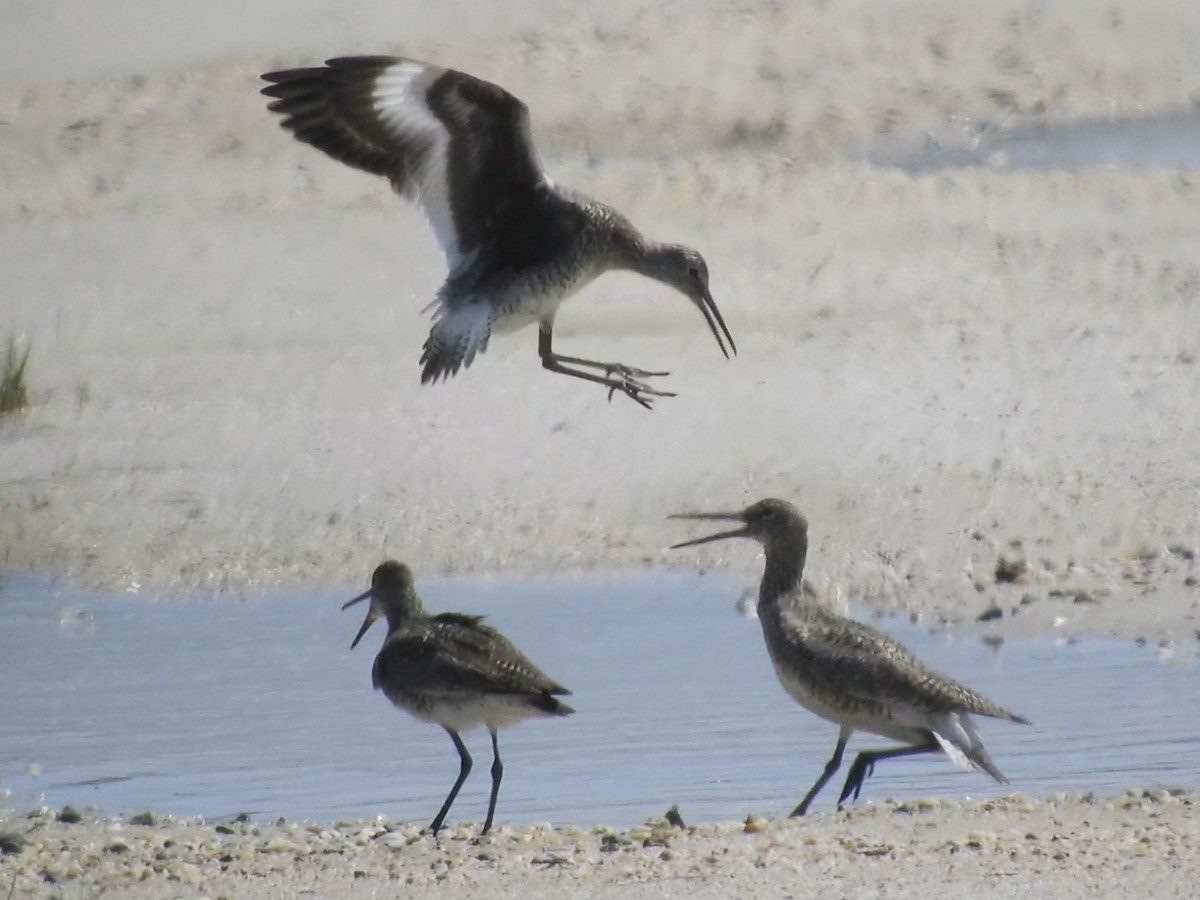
column 849, row 673
column 453, row 670
column 516, row 244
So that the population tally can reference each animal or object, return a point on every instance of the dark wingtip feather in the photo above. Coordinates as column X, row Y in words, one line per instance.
column 376, row 62
column 552, row 705
column 437, row 364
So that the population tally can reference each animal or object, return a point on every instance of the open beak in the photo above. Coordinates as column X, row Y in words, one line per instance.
column 712, row 316
column 367, row 622
column 713, row 517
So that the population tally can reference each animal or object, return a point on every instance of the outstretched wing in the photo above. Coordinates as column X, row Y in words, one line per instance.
column 457, row 145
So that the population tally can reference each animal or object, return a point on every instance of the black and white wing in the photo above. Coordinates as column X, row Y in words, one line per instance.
column 455, row 144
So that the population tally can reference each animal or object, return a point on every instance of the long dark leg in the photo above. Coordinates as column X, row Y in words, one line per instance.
column 830, row 768
column 463, row 771
column 616, row 378
column 497, row 774
column 864, row 765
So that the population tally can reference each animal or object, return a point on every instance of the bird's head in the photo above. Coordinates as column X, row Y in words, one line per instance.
column 392, row 596
column 685, row 270
column 771, row 522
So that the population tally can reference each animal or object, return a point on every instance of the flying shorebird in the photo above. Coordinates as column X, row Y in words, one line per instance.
column 453, row 670
column 847, row 672
column 516, row 244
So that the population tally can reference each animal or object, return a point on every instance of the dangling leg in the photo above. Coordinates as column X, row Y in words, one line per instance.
column 463, row 771
column 625, row 379
column 864, row 765
column 497, row 774
column 830, row 768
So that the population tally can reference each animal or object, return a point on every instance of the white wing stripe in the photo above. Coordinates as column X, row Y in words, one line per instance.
column 399, row 96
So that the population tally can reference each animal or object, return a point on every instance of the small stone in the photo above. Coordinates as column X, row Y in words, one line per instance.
column 1011, row 571
column 395, row 841
column 224, row 829
column 753, row 825
column 70, row 815
column 282, row 845
column 11, row 842
column 144, row 818
column 990, row 614
column 117, row 846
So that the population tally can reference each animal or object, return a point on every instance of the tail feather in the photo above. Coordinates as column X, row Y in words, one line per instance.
column 454, row 340
column 546, row 702
column 979, row 756
column 958, row 738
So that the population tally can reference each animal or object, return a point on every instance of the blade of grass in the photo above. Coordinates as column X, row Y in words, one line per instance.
column 14, row 394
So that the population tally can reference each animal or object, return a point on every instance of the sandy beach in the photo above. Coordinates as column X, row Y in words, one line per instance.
column 978, row 381
column 1059, row 847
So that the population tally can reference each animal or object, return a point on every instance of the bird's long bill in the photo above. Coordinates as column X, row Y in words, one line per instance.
column 367, row 622
column 712, row 316
column 712, row 517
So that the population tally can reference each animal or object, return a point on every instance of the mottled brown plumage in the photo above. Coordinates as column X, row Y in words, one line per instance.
column 846, row 671
column 453, row 670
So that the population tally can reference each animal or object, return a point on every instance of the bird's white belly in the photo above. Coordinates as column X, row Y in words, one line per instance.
column 515, row 321
column 526, row 303
column 461, row 713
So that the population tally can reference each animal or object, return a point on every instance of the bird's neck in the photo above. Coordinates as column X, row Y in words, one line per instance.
column 645, row 257
column 630, row 250
column 781, row 581
column 405, row 611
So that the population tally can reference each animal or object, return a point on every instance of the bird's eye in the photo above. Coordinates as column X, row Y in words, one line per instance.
column 693, row 271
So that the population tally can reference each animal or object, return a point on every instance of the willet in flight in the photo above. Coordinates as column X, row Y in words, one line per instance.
column 516, row 244
column 453, row 670
column 847, row 672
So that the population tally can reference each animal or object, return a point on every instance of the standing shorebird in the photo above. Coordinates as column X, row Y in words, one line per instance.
column 453, row 670
column 516, row 245
column 847, row 672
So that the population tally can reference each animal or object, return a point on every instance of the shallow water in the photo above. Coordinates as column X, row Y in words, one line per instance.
column 218, row 706
column 1166, row 141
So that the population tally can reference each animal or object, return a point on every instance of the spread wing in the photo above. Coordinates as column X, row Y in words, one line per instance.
column 457, row 145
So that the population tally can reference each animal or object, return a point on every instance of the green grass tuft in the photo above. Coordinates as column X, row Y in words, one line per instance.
column 14, row 394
